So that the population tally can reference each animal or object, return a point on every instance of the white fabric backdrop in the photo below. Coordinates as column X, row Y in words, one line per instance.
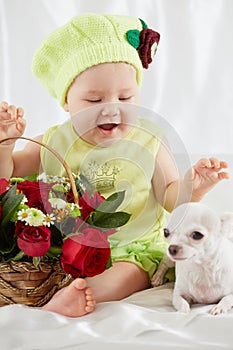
column 189, row 82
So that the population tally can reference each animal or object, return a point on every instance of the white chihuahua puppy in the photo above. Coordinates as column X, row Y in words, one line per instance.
column 202, row 252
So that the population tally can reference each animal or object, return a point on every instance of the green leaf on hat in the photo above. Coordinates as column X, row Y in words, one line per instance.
column 133, row 37
column 144, row 25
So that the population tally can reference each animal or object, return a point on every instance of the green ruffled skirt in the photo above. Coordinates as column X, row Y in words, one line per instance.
column 146, row 254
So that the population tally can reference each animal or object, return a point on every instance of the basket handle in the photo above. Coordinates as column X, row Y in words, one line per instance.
column 58, row 156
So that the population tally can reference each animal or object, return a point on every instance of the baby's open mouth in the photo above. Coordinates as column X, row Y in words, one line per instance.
column 108, row 126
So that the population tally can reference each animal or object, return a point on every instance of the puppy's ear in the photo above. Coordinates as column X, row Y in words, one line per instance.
column 227, row 224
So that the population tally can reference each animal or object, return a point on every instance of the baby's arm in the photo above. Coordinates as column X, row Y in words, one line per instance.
column 204, row 175
column 21, row 163
column 171, row 191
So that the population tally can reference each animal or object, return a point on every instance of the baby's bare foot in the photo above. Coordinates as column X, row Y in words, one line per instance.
column 73, row 301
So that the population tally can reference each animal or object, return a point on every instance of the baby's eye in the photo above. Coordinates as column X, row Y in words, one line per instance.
column 125, row 98
column 94, row 100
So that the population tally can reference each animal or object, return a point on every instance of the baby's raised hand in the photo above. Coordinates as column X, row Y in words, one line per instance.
column 205, row 174
column 12, row 123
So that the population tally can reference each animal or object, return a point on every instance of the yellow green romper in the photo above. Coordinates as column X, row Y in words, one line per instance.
column 128, row 164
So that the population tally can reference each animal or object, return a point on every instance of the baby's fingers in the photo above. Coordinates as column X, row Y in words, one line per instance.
column 211, row 163
column 203, row 163
column 3, row 106
column 223, row 165
column 216, row 164
column 12, row 110
column 21, row 125
column 20, row 112
column 223, row 175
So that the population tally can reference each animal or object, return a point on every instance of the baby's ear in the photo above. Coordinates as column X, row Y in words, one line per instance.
column 227, row 224
column 66, row 107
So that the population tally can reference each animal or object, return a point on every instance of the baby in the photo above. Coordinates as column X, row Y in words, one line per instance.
column 97, row 60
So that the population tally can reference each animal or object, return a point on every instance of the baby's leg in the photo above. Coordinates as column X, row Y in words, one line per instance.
column 74, row 300
column 118, row 282
column 115, row 283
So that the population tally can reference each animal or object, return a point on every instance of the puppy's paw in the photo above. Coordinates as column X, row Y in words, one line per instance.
column 184, row 309
column 223, row 306
column 181, row 305
column 216, row 311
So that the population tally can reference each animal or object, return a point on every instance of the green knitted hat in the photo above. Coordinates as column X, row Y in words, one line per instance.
column 88, row 40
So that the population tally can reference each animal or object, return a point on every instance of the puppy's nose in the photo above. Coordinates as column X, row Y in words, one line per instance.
column 173, row 249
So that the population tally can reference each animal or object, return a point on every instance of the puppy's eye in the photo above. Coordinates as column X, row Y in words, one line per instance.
column 166, row 232
column 197, row 235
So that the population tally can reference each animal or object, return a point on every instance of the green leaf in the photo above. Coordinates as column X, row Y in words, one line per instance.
column 33, row 177
column 133, row 37
column 83, row 184
column 2, row 196
column 10, row 205
column 15, row 180
column 144, row 25
column 18, row 256
column 109, row 263
column 54, row 252
column 7, row 241
column 7, row 194
column 110, row 204
column 36, row 260
column 110, row 220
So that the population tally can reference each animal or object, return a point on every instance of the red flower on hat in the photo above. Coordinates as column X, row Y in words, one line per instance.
column 143, row 41
column 147, row 38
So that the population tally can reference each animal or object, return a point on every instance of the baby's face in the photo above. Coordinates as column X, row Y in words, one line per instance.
column 111, row 89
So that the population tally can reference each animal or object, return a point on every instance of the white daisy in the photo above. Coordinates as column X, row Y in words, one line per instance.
column 49, row 220
column 24, row 200
column 24, row 215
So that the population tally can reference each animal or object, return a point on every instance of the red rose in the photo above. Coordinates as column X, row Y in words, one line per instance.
column 4, row 185
column 33, row 241
column 37, row 194
column 89, row 204
column 85, row 254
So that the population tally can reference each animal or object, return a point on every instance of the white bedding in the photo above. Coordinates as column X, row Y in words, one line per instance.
column 145, row 320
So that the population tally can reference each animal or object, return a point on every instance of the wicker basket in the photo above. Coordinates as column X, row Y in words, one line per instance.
column 22, row 282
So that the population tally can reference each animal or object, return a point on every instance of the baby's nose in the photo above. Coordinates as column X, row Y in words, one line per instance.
column 110, row 110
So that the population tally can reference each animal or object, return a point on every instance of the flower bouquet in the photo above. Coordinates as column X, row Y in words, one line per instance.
column 50, row 235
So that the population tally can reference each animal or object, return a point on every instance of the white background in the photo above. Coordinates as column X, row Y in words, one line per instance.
column 189, row 83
